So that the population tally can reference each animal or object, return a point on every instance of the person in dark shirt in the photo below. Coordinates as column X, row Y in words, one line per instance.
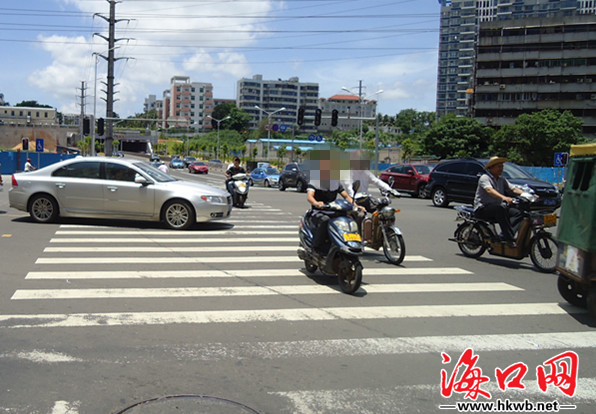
column 233, row 170
column 318, row 193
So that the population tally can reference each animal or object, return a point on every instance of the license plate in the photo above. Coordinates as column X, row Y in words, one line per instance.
column 550, row 219
column 550, row 202
column 241, row 185
column 352, row 237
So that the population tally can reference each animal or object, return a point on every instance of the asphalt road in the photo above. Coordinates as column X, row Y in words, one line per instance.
column 97, row 316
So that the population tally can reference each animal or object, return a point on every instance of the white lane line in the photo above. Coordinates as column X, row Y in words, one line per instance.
column 170, row 240
column 189, row 274
column 173, row 249
column 173, row 232
column 112, row 293
column 281, row 315
column 178, row 260
column 389, row 346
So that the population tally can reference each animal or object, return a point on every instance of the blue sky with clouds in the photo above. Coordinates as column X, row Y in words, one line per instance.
column 47, row 48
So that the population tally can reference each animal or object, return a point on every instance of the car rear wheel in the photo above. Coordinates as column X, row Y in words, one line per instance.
column 282, row 186
column 178, row 214
column 43, row 208
column 439, row 197
column 300, row 186
column 267, row 183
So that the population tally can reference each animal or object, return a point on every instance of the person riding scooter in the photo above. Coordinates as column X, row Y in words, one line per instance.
column 233, row 170
column 492, row 202
column 323, row 188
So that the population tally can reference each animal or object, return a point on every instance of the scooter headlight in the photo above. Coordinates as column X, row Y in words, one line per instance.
column 347, row 226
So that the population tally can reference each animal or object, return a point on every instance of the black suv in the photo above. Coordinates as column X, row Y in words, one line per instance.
column 457, row 179
column 294, row 175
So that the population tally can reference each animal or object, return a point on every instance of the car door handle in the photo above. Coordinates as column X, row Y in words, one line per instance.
column 112, row 188
column 60, row 185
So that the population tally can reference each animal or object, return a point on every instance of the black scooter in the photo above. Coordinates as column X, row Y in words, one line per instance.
column 344, row 242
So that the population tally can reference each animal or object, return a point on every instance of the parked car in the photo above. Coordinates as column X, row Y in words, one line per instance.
column 294, row 175
column 408, row 178
column 267, row 177
column 116, row 188
column 187, row 160
column 153, row 158
column 457, row 179
column 198, row 167
column 176, row 163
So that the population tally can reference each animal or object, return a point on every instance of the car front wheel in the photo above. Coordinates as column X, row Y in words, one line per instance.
column 178, row 214
column 439, row 197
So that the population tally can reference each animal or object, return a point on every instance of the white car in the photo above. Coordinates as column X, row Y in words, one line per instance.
column 116, row 188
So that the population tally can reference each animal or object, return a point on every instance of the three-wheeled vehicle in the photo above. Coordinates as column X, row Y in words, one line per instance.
column 576, row 234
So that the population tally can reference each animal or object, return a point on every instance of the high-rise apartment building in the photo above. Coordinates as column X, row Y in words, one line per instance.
column 190, row 104
column 527, row 65
column 272, row 95
column 460, row 20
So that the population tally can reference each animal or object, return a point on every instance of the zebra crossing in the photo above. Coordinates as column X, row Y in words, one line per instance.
column 255, row 258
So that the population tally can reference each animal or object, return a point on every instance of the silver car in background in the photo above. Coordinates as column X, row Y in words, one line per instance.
column 116, row 188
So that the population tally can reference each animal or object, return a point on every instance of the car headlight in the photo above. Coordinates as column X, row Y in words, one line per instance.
column 214, row 199
column 347, row 226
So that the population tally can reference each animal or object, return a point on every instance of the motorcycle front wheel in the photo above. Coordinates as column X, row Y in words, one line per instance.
column 394, row 247
column 543, row 252
column 310, row 267
column 349, row 276
column 469, row 240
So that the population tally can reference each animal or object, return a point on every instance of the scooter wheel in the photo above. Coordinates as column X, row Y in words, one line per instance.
column 543, row 252
column 349, row 276
column 310, row 268
column 394, row 247
column 469, row 240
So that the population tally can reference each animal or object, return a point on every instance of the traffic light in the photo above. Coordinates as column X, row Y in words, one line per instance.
column 86, row 126
column 334, row 117
column 25, row 144
column 300, row 119
column 564, row 157
column 100, row 126
column 318, row 114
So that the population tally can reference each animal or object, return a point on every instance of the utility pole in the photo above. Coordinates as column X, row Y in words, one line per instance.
column 82, row 116
column 109, row 136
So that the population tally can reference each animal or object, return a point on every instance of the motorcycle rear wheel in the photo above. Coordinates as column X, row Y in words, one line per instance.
column 469, row 240
column 310, row 267
column 543, row 252
column 394, row 247
column 349, row 276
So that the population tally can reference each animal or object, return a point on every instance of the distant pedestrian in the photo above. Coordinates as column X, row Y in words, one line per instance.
column 28, row 166
column 163, row 168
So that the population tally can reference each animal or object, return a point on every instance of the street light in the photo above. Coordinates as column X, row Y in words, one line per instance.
column 269, row 122
column 360, row 100
column 218, row 121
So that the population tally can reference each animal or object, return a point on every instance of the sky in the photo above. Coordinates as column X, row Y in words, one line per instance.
column 48, row 46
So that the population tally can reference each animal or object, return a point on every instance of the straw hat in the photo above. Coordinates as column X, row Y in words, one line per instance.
column 494, row 161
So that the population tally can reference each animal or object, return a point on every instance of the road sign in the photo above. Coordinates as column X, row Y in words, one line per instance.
column 39, row 144
column 311, row 137
column 561, row 159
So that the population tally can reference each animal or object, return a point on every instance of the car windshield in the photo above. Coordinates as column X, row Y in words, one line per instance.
column 154, row 173
column 272, row 171
column 424, row 168
column 199, row 163
column 512, row 171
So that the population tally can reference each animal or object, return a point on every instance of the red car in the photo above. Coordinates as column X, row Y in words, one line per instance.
column 198, row 167
column 408, row 178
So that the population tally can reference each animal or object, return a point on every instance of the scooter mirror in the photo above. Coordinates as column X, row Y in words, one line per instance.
column 356, row 186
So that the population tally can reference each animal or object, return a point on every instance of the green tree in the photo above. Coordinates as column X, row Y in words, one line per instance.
column 32, row 104
column 534, row 138
column 457, row 137
column 239, row 119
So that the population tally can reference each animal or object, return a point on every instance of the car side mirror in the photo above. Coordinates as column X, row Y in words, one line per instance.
column 411, row 172
column 139, row 179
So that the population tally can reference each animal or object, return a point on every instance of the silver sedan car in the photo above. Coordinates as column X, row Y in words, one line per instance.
column 117, row 188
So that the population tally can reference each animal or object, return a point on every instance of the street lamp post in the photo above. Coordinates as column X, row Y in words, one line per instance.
column 269, row 123
column 360, row 100
column 218, row 121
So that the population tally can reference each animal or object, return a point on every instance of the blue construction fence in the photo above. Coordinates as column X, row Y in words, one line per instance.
column 554, row 175
column 12, row 161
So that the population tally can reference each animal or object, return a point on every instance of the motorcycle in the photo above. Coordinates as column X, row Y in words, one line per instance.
column 474, row 236
column 344, row 242
column 379, row 230
column 240, row 186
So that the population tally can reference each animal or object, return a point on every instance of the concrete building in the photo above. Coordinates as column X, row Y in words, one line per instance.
column 526, row 65
column 23, row 116
column 460, row 20
column 348, row 107
column 189, row 104
column 272, row 95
